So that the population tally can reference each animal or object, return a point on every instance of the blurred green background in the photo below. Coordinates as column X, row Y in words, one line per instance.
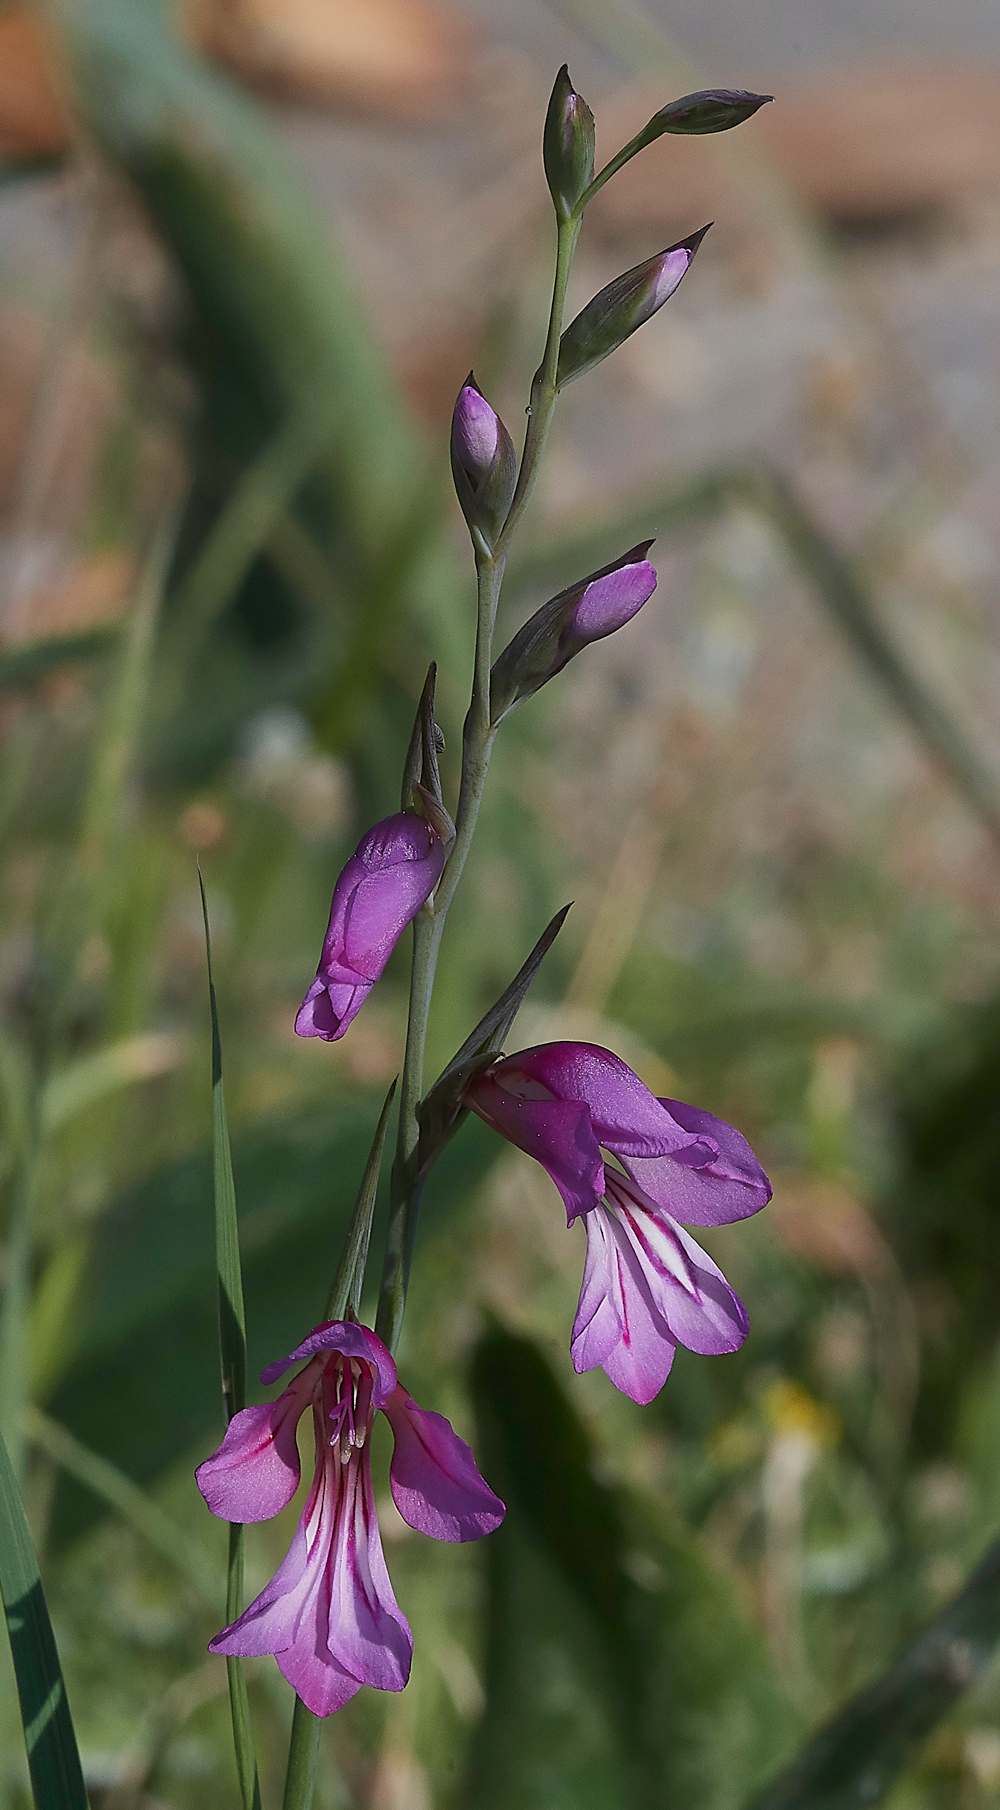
column 250, row 253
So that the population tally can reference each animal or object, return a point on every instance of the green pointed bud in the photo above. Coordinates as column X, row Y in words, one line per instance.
column 426, row 743
column 712, row 110
column 622, row 307
column 567, row 145
column 441, row 1111
column 483, row 463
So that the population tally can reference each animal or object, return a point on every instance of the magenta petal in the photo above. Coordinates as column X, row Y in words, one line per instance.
column 640, row 1362
column 557, row 1133
column 597, row 1328
column 368, row 1632
column 731, row 1185
column 271, row 1622
column 255, row 1472
column 434, row 1479
column 690, row 1293
column 353, row 1341
column 475, row 433
column 320, row 1680
column 609, row 602
column 330, row 1006
column 626, row 1117
column 382, row 905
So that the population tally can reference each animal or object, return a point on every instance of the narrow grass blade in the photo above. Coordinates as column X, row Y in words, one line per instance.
column 859, row 1757
column 53, row 1758
column 24, row 666
column 350, row 1277
column 441, row 1112
column 260, row 497
column 233, row 1357
column 846, row 598
column 119, row 1492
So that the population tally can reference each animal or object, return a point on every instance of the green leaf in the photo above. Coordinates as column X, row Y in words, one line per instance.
column 618, row 1671
column 53, row 1758
column 350, row 1278
column 23, row 666
column 858, row 1758
column 233, row 1356
column 440, row 1113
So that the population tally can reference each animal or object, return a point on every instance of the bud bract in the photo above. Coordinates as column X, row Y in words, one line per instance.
column 567, row 145
column 712, row 110
column 616, row 312
column 586, row 612
column 391, row 874
column 483, row 462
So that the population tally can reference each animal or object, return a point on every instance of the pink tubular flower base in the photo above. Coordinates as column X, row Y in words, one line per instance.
column 647, row 1286
column 329, row 1614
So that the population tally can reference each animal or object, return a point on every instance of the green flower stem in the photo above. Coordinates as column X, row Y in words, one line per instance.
column 543, row 389
column 428, row 929
column 638, row 143
column 477, row 747
column 303, row 1754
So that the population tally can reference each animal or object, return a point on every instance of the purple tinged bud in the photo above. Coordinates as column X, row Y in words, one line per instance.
column 711, row 110
column 483, row 463
column 476, row 434
column 586, row 612
column 391, row 874
column 617, row 311
column 568, row 145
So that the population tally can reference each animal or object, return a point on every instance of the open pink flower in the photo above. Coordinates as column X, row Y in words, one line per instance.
column 329, row 1614
column 647, row 1286
column 390, row 875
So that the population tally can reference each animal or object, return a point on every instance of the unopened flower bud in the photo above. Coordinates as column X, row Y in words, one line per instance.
column 616, row 312
column 586, row 612
column 483, row 462
column 712, row 110
column 567, row 145
column 390, row 876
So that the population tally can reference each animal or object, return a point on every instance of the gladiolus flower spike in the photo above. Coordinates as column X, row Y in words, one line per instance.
column 390, row 875
column 586, row 612
column 329, row 1614
column 647, row 1286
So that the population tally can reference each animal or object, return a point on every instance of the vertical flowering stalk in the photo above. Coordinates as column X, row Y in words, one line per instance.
column 329, row 1613
column 493, row 497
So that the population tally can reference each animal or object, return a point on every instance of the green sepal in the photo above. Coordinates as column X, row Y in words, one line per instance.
column 441, row 1111
column 568, row 145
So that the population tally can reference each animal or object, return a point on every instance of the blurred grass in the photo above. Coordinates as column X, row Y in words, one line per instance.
column 679, row 1596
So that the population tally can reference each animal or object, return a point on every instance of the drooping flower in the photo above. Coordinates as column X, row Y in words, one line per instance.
column 329, row 1614
column 390, row 875
column 647, row 1286
column 587, row 611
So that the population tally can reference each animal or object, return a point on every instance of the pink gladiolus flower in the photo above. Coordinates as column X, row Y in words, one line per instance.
column 647, row 1286
column 329, row 1614
column 390, row 875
